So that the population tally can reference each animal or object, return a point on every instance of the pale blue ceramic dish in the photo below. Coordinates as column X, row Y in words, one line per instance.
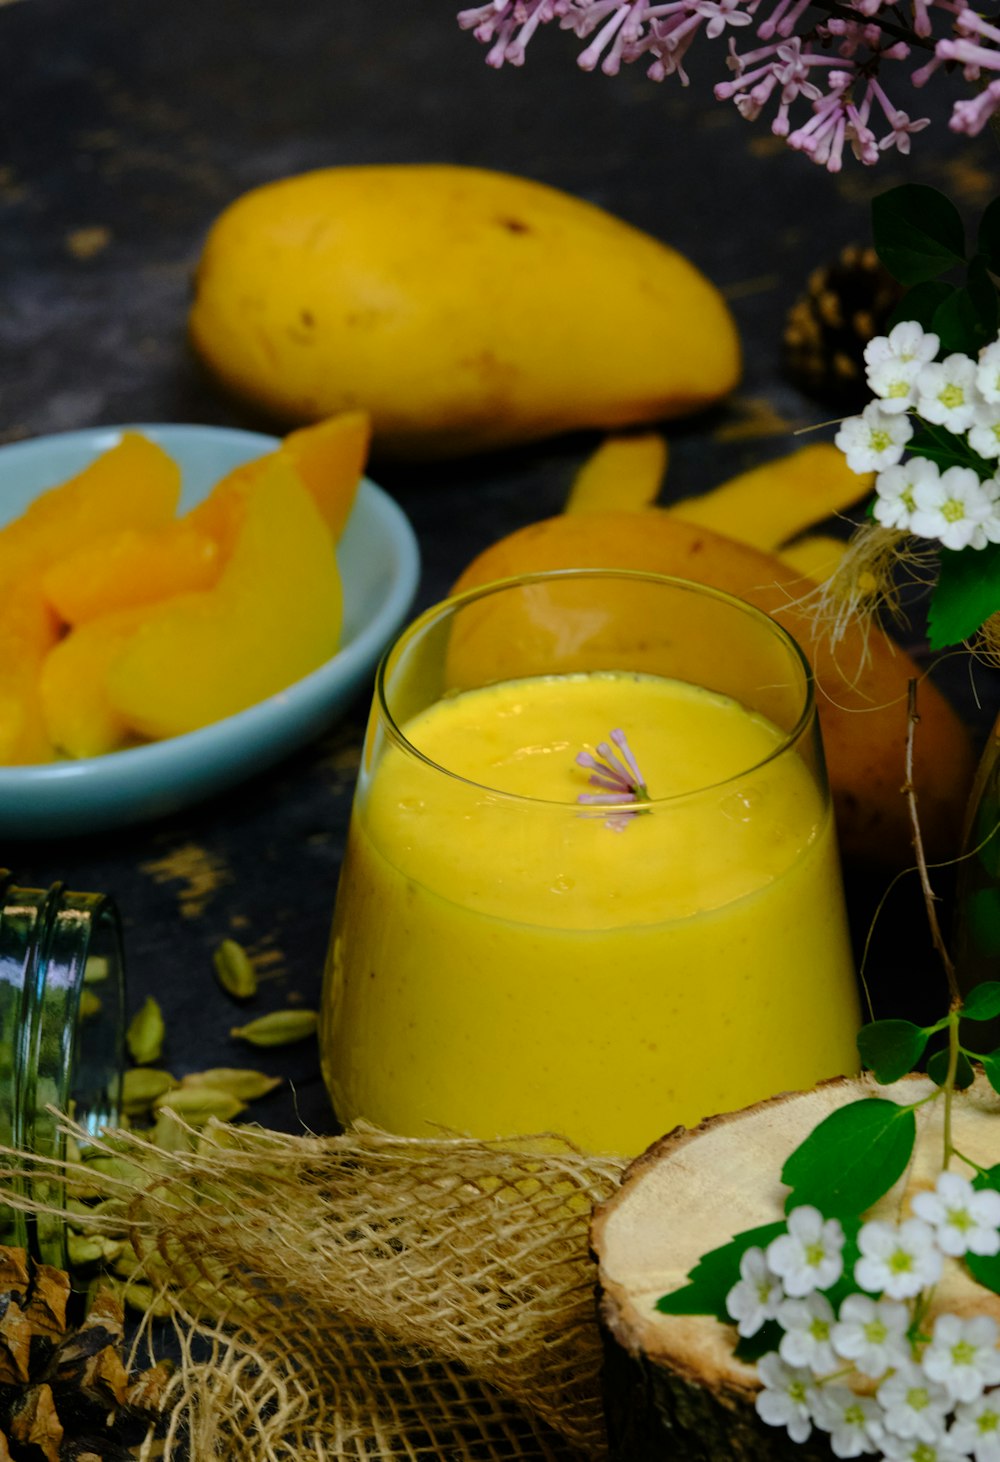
column 380, row 565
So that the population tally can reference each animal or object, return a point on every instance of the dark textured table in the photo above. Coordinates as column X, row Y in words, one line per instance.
column 125, row 127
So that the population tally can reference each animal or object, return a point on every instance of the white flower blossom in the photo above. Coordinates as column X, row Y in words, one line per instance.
column 873, row 440
column 976, row 1428
column 983, row 435
column 988, row 372
column 966, row 1220
column 756, row 1296
column 853, row 1422
column 807, row 1324
column 913, row 1406
column 947, row 394
column 953, row 509
column 897, row 1260
column 894, row 362
column 963, row 1355
column 788, row 1397
column 810, row 1255
column 872, row 1334
column 895, row 504
column 901, row 1449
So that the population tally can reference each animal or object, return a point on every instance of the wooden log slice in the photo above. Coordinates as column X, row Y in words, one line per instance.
column 674, row 1391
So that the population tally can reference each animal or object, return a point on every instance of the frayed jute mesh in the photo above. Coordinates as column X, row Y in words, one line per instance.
column 363, row 1296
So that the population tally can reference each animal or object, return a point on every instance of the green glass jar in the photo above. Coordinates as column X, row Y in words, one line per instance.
column 62, row 1022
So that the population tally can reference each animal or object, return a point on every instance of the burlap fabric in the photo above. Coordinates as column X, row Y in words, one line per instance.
column 365, row 1296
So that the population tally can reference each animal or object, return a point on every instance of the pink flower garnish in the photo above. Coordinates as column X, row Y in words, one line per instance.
column 618, row 778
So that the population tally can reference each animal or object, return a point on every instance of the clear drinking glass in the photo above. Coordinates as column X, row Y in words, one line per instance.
column 506, row 959
column 60, row 1052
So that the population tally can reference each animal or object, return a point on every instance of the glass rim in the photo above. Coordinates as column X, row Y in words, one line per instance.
column 456, row 602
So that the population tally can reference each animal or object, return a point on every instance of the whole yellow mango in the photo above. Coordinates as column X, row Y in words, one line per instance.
column 465, row 309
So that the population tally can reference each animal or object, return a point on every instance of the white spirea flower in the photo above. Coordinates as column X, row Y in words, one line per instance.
column 897, row 1260
column 756, row 1296
column 952, row 509
column 947, row 394
column 907, row 342
column 984, row 434
column 895, row 504
column 976, row 1428
column 894, row 383
column 988, row 372
column 810, row 1255
column 873, row 440
column 788, row 1396
column 966, row 1220
column 807, row 1324
column 853, row 1422
column 872, row 1334
column 901, row 1449
column 963, row 1355
column 913, row 1406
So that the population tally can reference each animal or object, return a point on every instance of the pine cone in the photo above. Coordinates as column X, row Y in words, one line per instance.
column 65, row 1394
column 828, row 327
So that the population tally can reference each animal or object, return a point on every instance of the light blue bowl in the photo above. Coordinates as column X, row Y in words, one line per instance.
column 380, row 566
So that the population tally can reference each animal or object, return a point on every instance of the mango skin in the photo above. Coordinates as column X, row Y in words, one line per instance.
column 465, row 309
column 862, row 704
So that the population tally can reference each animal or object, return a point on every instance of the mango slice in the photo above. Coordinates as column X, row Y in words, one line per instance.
column 135, row 484
column 28, row 630
column 128, row 568
column 78, row 716
column 273, row 616
column 624, row 472
column 328, row 458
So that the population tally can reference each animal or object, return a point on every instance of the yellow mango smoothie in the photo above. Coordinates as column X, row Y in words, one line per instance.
column 508, row 960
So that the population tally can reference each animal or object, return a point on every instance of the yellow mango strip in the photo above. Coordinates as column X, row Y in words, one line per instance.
column 135, row 484
column 28, row 630
column 273, row 616
column 128, row 568
column 79, row 718
column 772, row 503
column 816, row 556
column 624, row 472
column 328, row 458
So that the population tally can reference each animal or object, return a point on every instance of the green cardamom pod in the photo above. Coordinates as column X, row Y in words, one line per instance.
column 83, row 1249
column 90, row 1004
column 96, row 969
column 141, row 1086
column 280, row 1028
column 245, row 1084
column 236, row 974
column 145, row 1034
column 199, row 1104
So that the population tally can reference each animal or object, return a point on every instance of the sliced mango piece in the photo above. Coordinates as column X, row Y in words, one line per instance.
column 28, row 630
column 816, row 556
column 135, row 484
column 130, row 567
column 624, row 472
column 773, row 502
column 273, row 616
column 328, row 458
column 72, row 686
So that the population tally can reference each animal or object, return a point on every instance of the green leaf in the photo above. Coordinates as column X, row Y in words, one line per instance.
column 714, row 1275
column 967, row 593
column 918, row 232
column 946, row 449
column 891, row 1048
column 937, row 1069
column 967, row 319
column 852, row 1158
column 982, row 1001
column 921, row 303
column 991, row 1065
column 989, row 235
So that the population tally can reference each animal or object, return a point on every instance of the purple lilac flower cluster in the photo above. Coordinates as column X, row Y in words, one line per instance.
column 826, row 57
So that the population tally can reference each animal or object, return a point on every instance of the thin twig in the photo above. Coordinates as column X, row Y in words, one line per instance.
column 930, row 897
